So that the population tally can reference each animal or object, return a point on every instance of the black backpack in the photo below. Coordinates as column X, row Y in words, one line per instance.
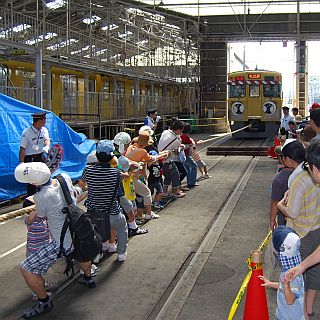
column 86, row 240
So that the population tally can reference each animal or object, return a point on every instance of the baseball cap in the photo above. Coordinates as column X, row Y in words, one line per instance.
column 278, row 149
column 287, row 243
column 36, row 173
column 92, row 157
column 105, row 146
column 123, row 163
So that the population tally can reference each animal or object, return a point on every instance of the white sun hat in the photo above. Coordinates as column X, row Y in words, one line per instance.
column 36, row 173
column 146, row 128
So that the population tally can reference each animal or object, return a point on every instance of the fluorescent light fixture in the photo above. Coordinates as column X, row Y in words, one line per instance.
column 92, row 20
column 125, row 34
column 110, row 27
column 52, row 5
column 48, row 36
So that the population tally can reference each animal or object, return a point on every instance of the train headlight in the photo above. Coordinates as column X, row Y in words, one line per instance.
column 237, row 108
column 269, row 108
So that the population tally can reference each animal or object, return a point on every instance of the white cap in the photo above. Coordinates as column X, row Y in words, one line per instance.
column 92, row 157
column 146, row 128
column 291, row 245
column 288, row 141
column 36, row 173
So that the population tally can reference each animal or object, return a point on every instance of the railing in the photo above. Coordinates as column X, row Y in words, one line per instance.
column 110, row 106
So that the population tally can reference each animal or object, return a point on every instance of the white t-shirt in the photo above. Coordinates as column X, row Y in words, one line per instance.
column 285, row 122
column 33, row 140
column 168, row 136
column 49, row 203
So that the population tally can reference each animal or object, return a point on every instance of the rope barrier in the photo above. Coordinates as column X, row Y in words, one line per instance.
column 16, row 213
column 246, row 280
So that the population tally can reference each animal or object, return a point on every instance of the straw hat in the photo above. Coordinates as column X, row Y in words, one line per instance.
column 144, row 139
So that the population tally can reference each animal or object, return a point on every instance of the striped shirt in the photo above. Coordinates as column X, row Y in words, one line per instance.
column 38, row 235
column 304, row 205
column 101, row 180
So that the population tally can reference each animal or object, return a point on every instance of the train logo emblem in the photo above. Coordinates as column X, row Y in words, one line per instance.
column 237, row 108
column 269, row 107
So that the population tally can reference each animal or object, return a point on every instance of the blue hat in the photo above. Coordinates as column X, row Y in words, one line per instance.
column 105, row 146
column 124, row 163
column 153, row 153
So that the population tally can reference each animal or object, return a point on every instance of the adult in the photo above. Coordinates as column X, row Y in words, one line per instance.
column 101, row 180
column 35, row 141
column 284, row 122
column 170, row 141
column 49, row 203
column 315, row 123
column 302, row 209
column 295, row 111
column 152, row 118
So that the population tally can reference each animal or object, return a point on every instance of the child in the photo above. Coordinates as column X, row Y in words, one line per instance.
column 155, row 181
column 200, row 163
column 290, row 301
column 38, row 235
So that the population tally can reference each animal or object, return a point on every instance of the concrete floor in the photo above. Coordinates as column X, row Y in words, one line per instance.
column 137, row 288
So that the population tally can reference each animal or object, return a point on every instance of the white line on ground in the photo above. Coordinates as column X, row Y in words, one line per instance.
column 13, row 250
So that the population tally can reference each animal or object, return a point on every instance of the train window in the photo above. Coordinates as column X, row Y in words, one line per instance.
column 237, row 91
column 254, row 90
column 272, row 90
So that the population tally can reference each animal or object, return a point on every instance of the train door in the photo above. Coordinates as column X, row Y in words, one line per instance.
column 70, row 89
column 120, row 98
column 254, row 109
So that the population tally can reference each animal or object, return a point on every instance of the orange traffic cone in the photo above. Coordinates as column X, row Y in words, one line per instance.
column 256, row 307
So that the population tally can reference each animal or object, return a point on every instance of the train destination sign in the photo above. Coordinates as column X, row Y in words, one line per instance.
column 254, row 76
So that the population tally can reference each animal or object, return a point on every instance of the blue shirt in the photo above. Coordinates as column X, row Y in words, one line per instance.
column 291, row 311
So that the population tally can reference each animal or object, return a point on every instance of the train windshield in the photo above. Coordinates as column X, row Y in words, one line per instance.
column 254, row 90
column 272, row 90
column 237, row 91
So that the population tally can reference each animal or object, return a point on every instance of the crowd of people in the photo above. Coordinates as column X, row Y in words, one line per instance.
column 126, row 182
column 295, row 216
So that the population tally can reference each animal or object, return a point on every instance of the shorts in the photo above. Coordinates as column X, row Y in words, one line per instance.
column 309, row 243
column 200, row 164
column 125, row 204
column 171, row 175
column 155, row 185
column 40, row 261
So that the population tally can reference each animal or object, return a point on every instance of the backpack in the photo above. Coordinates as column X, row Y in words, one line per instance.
column 86, row 240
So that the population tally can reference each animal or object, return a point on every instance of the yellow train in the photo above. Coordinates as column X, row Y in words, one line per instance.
column 112, row 94
column 255, row 97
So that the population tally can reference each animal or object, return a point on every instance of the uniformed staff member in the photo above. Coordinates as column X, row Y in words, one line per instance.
column 35, row 142
column 284, row 125
column 152, row 119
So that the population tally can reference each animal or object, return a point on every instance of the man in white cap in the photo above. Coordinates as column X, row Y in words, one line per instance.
column 34, row 143
column 49, row 203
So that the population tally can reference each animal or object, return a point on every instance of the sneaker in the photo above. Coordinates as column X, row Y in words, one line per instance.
column 158, row 206
column 136, row 232
column 207, row 176
column 178, row 195
column 89, row 283
column 93, row 270
column 193, row 185
column 184, row 188
column 139, row 222
column 152, row 216
column 38, row 308
column 98, row 257
column 108, row 247
column 122, row 257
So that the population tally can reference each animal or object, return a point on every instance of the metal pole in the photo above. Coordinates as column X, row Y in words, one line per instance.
column 38, row 63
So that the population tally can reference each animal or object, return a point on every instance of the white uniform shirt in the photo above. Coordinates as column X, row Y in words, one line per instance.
column 166, row 137
column 285, row 122
column 33, row 140
column 148, row 121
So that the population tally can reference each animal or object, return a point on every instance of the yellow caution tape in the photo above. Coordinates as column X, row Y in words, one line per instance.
column 246, row 280
column 238, row 298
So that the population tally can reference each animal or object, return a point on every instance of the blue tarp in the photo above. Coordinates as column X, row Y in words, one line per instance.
column 15, row 116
